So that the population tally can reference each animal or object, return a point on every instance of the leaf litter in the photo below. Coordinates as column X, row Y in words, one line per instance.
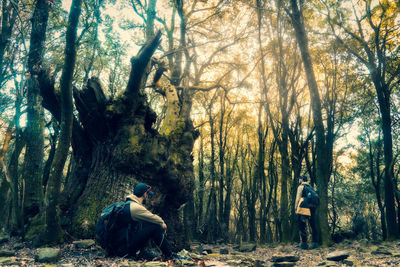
column 360, row 253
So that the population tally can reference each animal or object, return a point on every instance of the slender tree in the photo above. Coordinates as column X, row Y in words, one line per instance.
column 322, row 173
column 213, row 224
column 376, row 178
column 19, row 143
column 9, row 10
column 33, row 161
column 53, row 232
column 201, row 185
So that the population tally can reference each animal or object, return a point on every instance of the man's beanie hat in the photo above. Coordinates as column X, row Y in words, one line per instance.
column 142, row 188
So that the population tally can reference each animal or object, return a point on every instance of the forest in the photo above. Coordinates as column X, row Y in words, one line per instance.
column 218, row 105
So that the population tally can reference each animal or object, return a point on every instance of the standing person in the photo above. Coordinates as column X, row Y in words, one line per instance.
column 305, row 210
column 133, row 226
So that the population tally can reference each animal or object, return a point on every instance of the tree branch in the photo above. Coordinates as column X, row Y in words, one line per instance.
column 139, row 64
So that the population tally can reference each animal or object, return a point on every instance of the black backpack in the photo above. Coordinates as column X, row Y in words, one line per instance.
column 311, row 196
column 109, row 222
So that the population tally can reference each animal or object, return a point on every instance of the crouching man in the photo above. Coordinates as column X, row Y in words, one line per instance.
column 129, row 227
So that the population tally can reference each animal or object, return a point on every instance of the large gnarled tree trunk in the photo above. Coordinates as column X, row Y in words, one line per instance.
column 115, row 146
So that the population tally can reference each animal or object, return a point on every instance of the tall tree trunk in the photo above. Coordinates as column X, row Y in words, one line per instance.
column 376, row 178
column 6, row 186
column 240, row 224
column 322, row 173
column 53, row 137
column 244, row 226
column 285, row 177
column 228, row 202
column 33, row 161
column 200, row 192
column 275, row 212
column 17, row 226
column 384, row 107
column 262, row 135
column 221, row 175
column 5, row 198
column 9, row 10
column 260, row 173
column 18, row 221
column 230, row 172
column 53, row 232
column 213, row 227
column 271, row 183
column 252, row 195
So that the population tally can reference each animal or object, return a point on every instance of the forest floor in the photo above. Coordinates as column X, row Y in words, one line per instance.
column 347, row 253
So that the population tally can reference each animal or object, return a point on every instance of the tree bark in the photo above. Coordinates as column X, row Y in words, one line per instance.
column 384, row 107
column 376, row 178
column 189, row 219
column 260, row 129
column 213, row 225
column 33, row 161
column 53, row 137
column 200, row 190
column 6, row 186
column 8, row 18
column 221, row 156
column 17, row 226
column 271, row 182
column 251, row 197
column 5, row 197
column 230, row 172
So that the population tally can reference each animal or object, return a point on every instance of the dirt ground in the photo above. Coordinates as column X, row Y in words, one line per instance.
column 354, row 253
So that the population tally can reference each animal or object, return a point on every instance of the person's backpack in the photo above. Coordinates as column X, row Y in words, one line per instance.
column 108, row 223
column 311, row 196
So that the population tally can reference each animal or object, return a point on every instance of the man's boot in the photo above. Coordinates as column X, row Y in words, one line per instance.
column 165, row 247
column 147, row 255
column 314, row 245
